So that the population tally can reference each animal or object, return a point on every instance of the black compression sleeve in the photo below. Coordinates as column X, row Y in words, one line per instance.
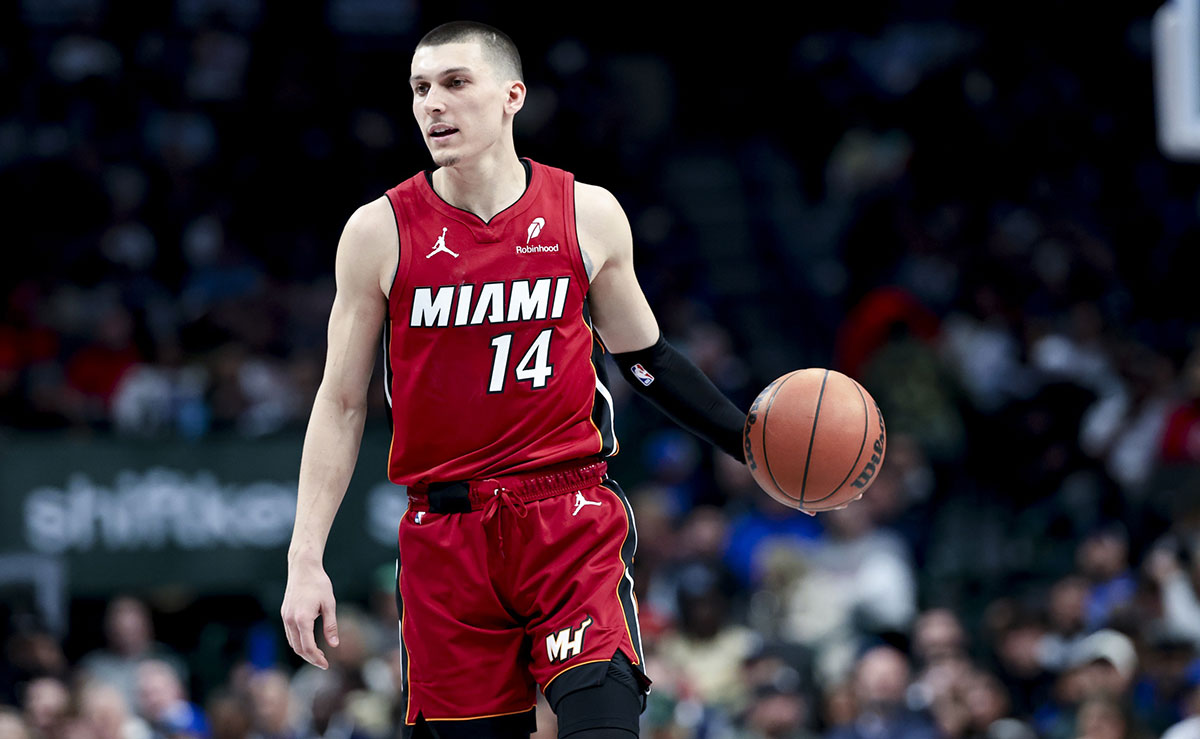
column 679, row 389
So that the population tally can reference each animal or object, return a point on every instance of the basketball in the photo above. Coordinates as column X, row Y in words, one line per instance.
column 814, row 439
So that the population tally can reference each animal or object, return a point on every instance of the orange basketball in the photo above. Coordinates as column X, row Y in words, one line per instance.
column 814, row 439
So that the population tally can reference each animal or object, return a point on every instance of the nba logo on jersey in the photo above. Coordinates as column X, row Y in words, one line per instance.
column 643, row 376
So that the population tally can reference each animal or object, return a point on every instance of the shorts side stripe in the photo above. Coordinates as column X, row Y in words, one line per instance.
column 405, row 690
column 625, row 585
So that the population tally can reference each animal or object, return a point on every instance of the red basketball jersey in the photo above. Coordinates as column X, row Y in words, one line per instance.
column 491, row 365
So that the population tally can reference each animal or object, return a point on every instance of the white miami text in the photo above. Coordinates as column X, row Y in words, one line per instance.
column 492, row 302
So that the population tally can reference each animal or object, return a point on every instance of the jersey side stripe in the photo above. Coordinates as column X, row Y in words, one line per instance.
column 387, row 359
column 611, row 427
column 603, row 413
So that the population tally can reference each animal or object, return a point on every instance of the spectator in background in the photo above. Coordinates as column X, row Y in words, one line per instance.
column 857, row 582
column 229, row 715
column 1074, row 349
column 763, row 527
column 329, row 718
column 776, row 712
column 1105, row 663
column 881, row 682
column 1163, row 684
column 1101, row 667
column 1125, row 428
column 944, row 670
column 1181, row 439
column 1178, row 587
column 779, row 681
column 981, row 348
column 271, row 706
column 11, row 725
column 976, row 705
column 1103, row 718
column 938, row 636
column 1189, row 727
column 95, row 370
column 1017, row 638
column 129, row 632
column 965, row 701
column 708, row 650
column 46, row 706
column 700, row 539
column 31, row 651
column 1103, row 558
column 163, row 703
column 899, row 363
column 1066, row 621
column 105, row 711
column 989, row 710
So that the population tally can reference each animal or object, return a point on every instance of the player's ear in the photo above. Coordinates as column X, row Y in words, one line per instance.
column 515, row 99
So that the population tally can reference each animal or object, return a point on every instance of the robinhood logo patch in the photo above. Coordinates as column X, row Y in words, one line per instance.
column 535, row 228
column 156, row 509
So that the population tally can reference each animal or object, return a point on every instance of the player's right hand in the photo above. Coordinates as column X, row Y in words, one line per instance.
column 309, row 594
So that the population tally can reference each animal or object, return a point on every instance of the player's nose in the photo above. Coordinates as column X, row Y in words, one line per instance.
column 433, row 102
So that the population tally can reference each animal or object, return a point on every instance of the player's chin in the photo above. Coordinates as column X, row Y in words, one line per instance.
column 443, row 156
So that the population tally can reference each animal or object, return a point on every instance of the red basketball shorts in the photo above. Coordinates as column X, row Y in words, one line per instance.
column 526, row 586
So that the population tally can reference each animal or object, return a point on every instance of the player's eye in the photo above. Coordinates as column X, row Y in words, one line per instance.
column 457, row 82
column 420, row 89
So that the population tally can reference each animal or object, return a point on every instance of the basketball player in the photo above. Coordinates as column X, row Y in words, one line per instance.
column 498, row 283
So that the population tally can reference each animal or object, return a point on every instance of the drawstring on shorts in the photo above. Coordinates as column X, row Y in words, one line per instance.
column 502, row 497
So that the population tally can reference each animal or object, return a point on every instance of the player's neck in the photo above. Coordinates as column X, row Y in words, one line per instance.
column 485, row 186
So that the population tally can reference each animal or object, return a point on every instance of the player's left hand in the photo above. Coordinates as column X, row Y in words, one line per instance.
column 835, row 508
column 309, row 594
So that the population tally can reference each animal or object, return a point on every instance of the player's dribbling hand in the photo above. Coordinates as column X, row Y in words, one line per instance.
column 843, row 506
column 309, row 594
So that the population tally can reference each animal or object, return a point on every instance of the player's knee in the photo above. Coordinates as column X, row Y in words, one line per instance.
column 609, row 710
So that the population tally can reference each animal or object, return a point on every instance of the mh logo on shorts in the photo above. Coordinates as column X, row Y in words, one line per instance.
column 564, row 644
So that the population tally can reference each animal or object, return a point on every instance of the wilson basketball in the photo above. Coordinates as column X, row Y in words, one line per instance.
column 814, row 439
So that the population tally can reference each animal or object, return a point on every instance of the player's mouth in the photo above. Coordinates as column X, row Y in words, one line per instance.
column 441, row 131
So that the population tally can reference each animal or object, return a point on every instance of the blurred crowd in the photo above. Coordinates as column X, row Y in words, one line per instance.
column 959, row 205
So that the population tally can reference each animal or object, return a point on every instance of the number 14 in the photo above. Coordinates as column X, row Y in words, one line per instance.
column 534, row 367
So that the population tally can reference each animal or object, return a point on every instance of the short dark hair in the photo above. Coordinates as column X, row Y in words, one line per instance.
column 499, row 49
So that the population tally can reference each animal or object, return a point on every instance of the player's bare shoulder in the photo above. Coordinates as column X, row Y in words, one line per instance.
column 369, row 246
column 604, row 233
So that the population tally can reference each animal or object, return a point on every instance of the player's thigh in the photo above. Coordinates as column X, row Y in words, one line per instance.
column 585, row 639
column 465, row 657
column 578, row 585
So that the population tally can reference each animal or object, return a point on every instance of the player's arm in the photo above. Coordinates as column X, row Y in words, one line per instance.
column 365, row 252
column 627, row 326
